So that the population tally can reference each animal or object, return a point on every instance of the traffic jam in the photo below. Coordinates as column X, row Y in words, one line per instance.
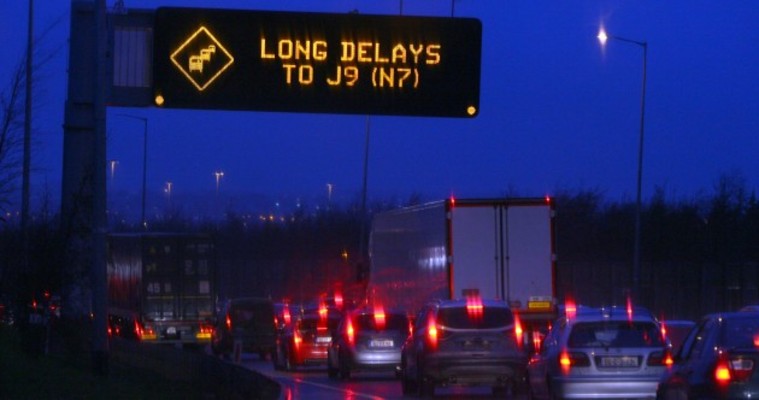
column 425, row 326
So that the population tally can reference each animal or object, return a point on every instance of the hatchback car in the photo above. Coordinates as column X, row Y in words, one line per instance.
column 464, row 342
column 368, row 338
column 248, row 321
column 305, row 341
column 600, row 353
column 718, row 360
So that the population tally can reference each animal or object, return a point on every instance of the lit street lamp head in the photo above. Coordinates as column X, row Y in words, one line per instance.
column 602, row 36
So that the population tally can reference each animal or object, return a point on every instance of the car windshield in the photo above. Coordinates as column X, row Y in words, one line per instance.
column 486, row 318
column 741, row 333
column 393, row 322
column 615, row 334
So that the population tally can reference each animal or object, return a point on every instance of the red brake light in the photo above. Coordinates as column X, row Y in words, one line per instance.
column 474, row 307
column 286, row 315
column 733, row 370
column 570, row 308
column 518, row 331
column 722, row 372
column 661, row 358
column 350, row 332
column 431, row 333
column 379, row 317
column 573, row 359
column 229, row 322
column 629, row 309
column 338, row 300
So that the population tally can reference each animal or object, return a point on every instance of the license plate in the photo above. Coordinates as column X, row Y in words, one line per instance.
column 624, row 361
column 323, row 339
column 381, row 343
column 171, row 330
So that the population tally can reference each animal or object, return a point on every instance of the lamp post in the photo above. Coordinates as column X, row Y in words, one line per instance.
column 167, row 188
column 603, row 37
column 219, row 175
column 144, row 120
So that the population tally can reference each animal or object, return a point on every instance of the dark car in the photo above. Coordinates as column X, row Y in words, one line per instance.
column 718, row 360
column 369, row 338
column 601, row 353
column 248, row 322
column 305, row 341
column 677, row 331
column 464, row 342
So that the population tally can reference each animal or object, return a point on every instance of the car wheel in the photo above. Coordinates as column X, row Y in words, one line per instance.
column 408, row 386
column 425, row 387
column 331, row 369
column 288, row 364
column 345, row 371
column 276, row 359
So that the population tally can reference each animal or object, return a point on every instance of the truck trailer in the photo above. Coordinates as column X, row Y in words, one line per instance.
column 161, row 287
column 498, row 248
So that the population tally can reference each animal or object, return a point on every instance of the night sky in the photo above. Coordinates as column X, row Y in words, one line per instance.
column 557, row 110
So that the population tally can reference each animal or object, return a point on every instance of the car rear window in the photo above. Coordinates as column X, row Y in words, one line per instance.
column 461, row 318
column 251, row 314
column 392, row 322
column 316, row 322
column 615, row 334
column 741, row 333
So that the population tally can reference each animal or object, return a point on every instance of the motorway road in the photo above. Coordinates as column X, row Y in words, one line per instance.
column 313, row 383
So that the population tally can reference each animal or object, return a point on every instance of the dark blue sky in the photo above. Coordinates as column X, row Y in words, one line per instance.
column 556, row 110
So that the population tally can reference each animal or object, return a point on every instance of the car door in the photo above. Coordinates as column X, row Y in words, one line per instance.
column 691, row 367
column 538, row 366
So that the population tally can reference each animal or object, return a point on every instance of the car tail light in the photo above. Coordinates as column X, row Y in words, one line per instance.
column 432, row 334
column 379, row 317
column 229, row 322
column 629, row 309
column 518, row 331
column 286, row 315
column 569, row 359
column 204, row 332
column 474, row 308
column 659, row 358
column 733, row 370
column 339, row 300
column 297, row 338
column 350, row 332
column 144, row 332
column 570, row 308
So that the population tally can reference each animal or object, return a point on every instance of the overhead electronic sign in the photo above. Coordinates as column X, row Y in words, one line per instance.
column 315, row 62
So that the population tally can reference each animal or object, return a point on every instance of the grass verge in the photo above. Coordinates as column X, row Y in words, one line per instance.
column 58, row 376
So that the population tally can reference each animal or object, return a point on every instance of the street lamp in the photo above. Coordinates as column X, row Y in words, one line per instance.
column 144, row 161
column 219, row 175
column 113, row 164
column 603, row 37
column 167, row 189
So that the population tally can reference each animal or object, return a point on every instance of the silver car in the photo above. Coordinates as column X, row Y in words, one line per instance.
column 368, row 338
column 467, row 342
column 600, row 353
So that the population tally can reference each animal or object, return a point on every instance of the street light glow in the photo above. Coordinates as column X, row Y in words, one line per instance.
column 602, row 36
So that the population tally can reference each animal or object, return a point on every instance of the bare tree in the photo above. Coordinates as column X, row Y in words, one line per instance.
column 11, row 136
column 12, row 99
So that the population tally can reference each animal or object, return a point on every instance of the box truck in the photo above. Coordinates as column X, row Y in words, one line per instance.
column 161, row 287
column 499, row 248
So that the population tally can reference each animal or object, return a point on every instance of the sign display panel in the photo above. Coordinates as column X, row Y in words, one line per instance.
column 315, row 62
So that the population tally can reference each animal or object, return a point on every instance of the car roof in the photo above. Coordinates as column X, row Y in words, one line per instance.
column 613, row 313
column 734, row 315
column 445, row 303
